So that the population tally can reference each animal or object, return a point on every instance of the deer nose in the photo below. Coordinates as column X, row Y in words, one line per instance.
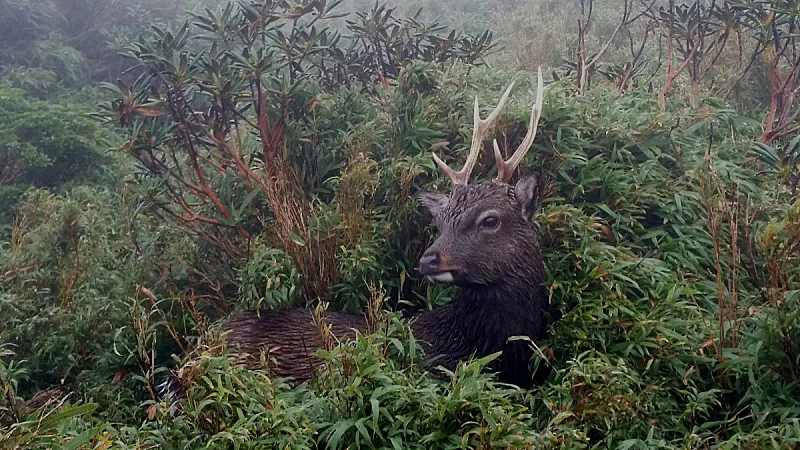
column 429, row 264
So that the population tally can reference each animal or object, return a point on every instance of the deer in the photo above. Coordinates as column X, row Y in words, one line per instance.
column 487, row 247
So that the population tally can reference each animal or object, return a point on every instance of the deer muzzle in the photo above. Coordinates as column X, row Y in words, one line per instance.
column 436, row 267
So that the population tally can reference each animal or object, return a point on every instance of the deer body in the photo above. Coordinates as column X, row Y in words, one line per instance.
column 499, row 294
column 486, row 247
column 477, row 323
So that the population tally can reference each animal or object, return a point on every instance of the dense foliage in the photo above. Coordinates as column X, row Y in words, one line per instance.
column 44, row 145
column 267, row 157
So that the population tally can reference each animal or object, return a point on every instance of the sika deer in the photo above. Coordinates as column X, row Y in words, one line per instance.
column 486, row 247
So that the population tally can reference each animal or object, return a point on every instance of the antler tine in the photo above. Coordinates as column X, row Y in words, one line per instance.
column 480, row 128
column 506, row 168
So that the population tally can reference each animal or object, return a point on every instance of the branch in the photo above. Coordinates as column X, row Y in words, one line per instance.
column 756, row 51
column 726, row 34
column 608, row 42
column 784, row 133
column 205, row 187
column 672, row 75
column 688, row 59
column 635, row 54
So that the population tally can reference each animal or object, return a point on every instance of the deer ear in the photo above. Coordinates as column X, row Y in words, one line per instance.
column 527, row 194
column 434, row 202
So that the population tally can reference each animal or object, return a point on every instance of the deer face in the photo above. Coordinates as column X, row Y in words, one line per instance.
column 484, row 231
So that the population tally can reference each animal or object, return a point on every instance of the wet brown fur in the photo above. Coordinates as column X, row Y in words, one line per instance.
column 499, row 292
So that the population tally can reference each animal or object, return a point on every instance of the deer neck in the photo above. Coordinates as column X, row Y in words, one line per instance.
column 480, row 319
column 479, row 322
column 496, row 312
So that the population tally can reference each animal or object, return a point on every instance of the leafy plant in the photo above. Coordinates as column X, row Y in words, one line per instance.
column 45, row 144
column 783, row 159
column 268, row 280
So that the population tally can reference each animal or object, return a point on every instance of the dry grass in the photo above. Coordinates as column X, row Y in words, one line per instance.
column 312, row 249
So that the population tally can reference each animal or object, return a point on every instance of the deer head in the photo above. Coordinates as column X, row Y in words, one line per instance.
column 485, row 236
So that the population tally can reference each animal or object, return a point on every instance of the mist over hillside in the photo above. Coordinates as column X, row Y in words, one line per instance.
column 84, row 36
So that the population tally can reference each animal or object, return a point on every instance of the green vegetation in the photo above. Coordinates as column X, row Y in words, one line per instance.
column 46, row 144
column 258, row 154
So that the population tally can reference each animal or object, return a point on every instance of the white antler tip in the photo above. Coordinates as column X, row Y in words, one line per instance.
column 539, row 91
column 440, row 163
column 506, row 168
column 497, row 155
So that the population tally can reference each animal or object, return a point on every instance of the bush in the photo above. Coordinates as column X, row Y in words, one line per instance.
column 268, row 280
column 46, row 144
column 70, row 280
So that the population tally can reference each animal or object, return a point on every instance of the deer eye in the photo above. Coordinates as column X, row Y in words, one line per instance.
column 490, row 222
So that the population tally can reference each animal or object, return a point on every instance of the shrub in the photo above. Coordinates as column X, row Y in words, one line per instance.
column 268, row 280
column 46, row 144
column 69, row 277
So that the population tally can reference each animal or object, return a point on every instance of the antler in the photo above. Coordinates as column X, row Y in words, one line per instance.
column 506, row 168
column 480, row 128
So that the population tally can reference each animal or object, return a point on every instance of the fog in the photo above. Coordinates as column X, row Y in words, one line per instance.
column 75, row 42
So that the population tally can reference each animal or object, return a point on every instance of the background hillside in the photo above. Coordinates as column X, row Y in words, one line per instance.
column 165, row 166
